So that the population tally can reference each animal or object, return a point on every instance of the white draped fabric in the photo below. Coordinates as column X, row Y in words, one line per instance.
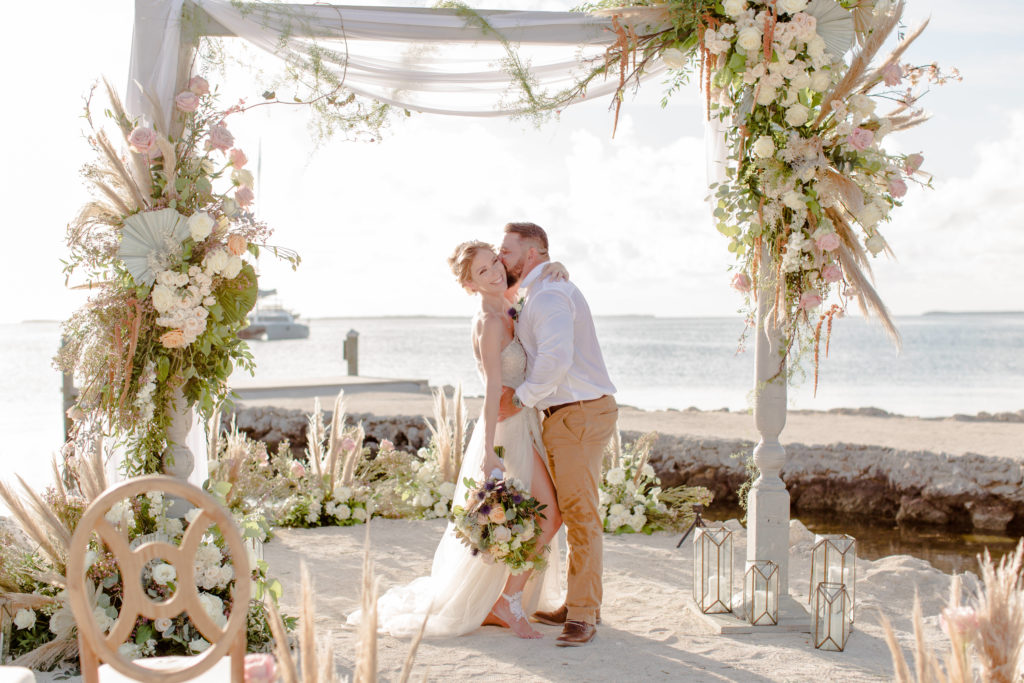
column 424, row 60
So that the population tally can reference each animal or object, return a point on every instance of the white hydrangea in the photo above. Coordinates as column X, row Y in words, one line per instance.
column 25, row 618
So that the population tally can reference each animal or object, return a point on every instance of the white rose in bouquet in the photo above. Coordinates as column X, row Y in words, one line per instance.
column 62, row 622
column 816, row 48
column 875, row 244
column 766, row 95
column 869, row 216
column 749, row 39
column 763, row 147
column 794, row 200
column 242, row 176
column 163, row 298
column 674, row 58
column 734, row 8
column 163, row 572
column 360, row 514
column 200, row 225
column 820, row 80
column 616, row 476
column 342, row 512
column 216, row 261
column 801, row 80
column 797, row 114
column 102, row 619
column 214, row 608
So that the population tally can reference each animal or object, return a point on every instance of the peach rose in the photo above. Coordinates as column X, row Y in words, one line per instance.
column 497, row 515
column 238, row 158
column 244, row 196
column 237, row 244
column 832, row 273
column 186, row 101
column 199, row 85
column 260, row 668
column 741, row 282
column 174, row 339
column 142, row 139
column 221, row 138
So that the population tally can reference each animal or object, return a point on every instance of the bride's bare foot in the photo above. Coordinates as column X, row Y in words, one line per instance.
column 509, row 608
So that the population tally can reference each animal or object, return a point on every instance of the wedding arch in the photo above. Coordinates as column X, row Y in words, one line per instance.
column 800, row 181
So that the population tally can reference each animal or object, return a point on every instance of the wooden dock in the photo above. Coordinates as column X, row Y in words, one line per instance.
column 255, row 389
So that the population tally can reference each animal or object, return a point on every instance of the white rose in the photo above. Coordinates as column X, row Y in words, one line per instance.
column 820, row 80
column 233, row 268
column 200, row 225
column 227, row 572
column 617, row 510
column 501, row 534
column 163, row 624
column 734, row 8
column 163, row 572
column 440, row 509
column 229, row 207
column 129, row 651
column 816, row 47
column 163, row 298
column 647, row 471
column 801, row 80
column 62, row 621
column 765, row 95
column 242, row 176
column 359, row 513
column 216, row 261
column 794, row 200
column 214, row 608
column 191, row 515
column 616, row 476
column 674, row 58
column 749, row 39
column 166, row 278
column 764, row 147
column 796, row 115
column 875, row 244
column 343, row 493
column 869, row 216
column 423, row 500
column 862, row 104
column 792, row 6
column 25, row 618
column 447, row 490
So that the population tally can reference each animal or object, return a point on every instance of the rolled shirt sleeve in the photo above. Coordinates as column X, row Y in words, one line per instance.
column 553, row 322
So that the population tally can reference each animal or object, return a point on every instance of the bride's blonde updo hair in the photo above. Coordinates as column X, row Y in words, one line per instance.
column 461, row 260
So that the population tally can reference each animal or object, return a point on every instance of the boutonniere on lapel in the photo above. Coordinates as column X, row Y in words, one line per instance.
column 517, row 307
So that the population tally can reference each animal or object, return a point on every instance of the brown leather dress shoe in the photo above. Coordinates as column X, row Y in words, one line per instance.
column 576, row 633
column 556, row 617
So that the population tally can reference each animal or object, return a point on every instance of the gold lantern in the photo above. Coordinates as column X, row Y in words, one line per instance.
column 712, row 569
column 831, row 616
column 761, row 593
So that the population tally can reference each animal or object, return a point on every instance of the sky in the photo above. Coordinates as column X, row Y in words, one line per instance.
column 374, row 222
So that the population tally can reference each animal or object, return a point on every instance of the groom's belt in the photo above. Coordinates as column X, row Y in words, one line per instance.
column 548, row 412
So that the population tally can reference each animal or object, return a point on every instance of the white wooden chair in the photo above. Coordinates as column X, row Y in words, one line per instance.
column 96, row 647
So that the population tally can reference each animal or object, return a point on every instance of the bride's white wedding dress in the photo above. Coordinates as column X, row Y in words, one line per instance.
column 462, row 587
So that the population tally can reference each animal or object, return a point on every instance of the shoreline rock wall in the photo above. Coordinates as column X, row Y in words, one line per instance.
column 881, row 484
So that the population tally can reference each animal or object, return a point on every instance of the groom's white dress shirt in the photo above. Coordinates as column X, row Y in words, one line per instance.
column 564, row 362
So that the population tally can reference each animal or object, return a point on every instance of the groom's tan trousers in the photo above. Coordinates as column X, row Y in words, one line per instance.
column 575, row 437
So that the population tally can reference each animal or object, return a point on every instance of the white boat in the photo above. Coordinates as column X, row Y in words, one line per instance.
column 274, row 323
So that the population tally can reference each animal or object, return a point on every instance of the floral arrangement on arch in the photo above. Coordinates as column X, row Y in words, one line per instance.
column 808, row 184
column 162, row 246
column 632, row 500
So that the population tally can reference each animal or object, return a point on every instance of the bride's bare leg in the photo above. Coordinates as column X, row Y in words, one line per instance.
column 503, row 613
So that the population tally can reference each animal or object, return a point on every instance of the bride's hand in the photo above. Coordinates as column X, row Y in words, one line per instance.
column 506, row 408
column 554, row 270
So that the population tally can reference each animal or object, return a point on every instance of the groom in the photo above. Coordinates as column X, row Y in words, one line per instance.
column 567, row 381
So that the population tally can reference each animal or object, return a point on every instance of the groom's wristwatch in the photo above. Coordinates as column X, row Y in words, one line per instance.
column 516, row 402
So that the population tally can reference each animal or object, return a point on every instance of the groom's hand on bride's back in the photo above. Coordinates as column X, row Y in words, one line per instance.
column 506, row 408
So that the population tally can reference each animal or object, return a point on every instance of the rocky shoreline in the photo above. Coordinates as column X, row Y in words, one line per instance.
column 874, row 483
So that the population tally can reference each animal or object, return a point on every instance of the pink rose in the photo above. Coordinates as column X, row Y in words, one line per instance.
column 809, row 300
column 244, row 196
column 828, row 242
column 892, row 74
column 385, row 445
column 741, row 282
column 897, row 187
column 220, row 137
column 238, row 158
column 912, row 163
column 186, row 101
column 297, row 469
column 142, row 139
column 832, row 273
column 347, row 444
column 260, row 668
column 199, row 85
column 860, row 139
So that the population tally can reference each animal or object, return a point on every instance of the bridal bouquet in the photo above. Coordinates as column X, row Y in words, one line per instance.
column 500, row 521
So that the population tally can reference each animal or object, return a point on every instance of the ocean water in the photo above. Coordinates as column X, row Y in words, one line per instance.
column 949, row 364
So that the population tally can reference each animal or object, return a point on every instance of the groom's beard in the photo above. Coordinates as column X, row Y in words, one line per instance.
column 510, row 280
column 514, row 272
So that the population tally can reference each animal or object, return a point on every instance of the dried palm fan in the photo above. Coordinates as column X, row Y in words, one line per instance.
column 146, row 237
column 834, row 24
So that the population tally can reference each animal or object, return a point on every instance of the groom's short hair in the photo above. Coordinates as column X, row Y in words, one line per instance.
column 530, row 231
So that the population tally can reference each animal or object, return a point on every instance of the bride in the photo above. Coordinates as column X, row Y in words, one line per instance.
column 464, row 591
